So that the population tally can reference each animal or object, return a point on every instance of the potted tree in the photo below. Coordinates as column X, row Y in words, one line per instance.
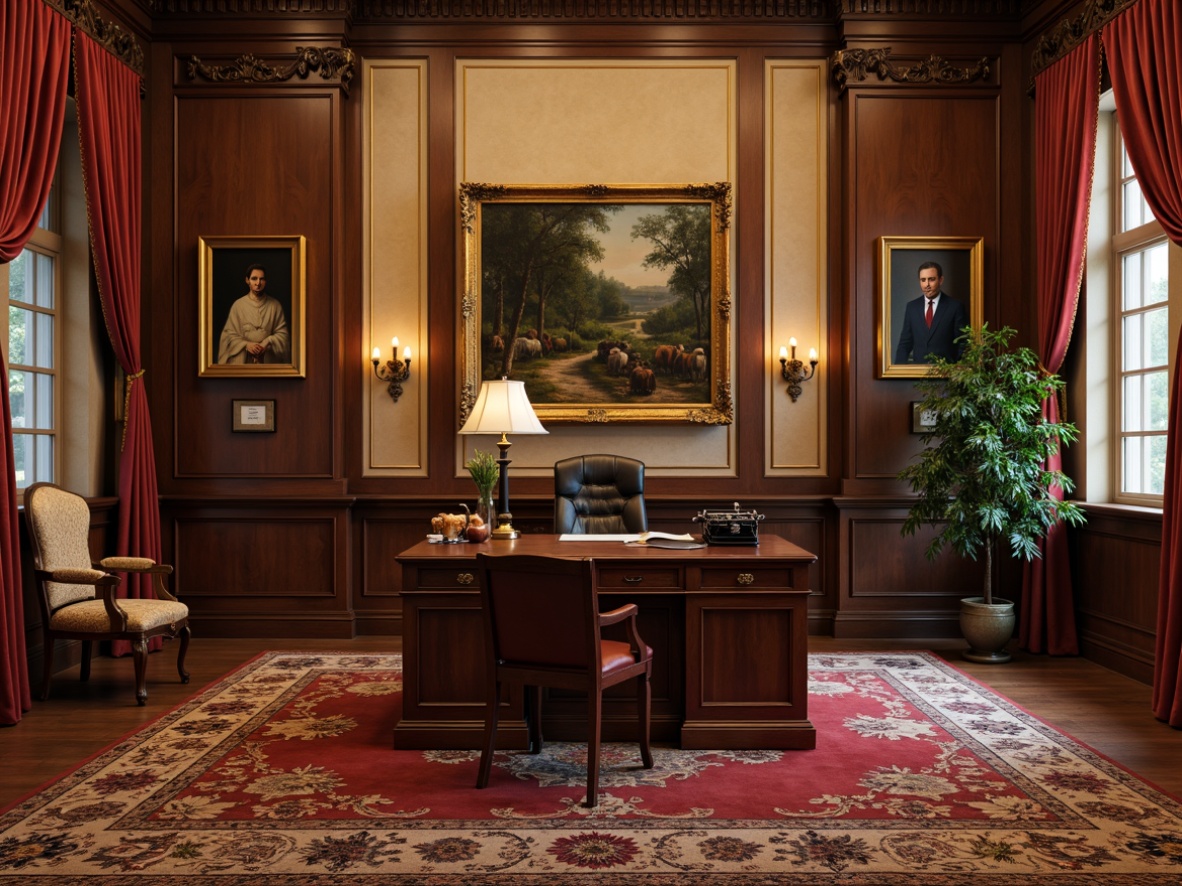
column 982, row 476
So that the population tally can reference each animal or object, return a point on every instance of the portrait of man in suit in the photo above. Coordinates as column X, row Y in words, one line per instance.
column 932, row 321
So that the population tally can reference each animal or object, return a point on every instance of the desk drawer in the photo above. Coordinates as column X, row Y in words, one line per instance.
column 746, row 577
column 639, row 577
column 459, row 576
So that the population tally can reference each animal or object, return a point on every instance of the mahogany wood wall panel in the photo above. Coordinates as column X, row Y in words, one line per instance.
column 271, row 568
column 1116, row 568
column 922, row 163
column 250, row 164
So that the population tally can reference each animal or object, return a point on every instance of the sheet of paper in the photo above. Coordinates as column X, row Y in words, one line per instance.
column 575, row 536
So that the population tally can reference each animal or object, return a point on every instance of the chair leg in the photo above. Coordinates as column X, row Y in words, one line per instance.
column 84, row 669
column 533, row 717
column 47, row 651
column 180, row 656
column 644, row 701
column 491, row 715
column 594, row 729
column 139, row 653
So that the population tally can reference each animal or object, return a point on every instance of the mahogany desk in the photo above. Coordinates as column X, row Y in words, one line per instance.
column 728, row 627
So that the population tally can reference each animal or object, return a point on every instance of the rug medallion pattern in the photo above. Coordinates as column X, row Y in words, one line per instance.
column 283, row 772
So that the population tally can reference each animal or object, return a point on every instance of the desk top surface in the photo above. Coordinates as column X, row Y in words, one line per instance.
column 770, row 547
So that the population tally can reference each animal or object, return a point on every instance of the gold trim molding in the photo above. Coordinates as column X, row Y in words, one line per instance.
column 330, row 63
column 112, row 37
column 857, row 64
column 1070, row 32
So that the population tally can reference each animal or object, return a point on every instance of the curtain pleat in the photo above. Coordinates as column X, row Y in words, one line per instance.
column 109, row 128
column 1066, row 104
column 34, row 68
column 1142, row 49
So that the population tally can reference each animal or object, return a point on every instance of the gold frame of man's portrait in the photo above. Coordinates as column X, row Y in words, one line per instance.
column 962, row 260
column 221, row 280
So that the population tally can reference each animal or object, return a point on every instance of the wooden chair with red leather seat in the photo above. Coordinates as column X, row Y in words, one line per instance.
column 543, row 628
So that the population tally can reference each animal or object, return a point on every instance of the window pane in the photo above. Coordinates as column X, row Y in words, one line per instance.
column 1157, row 401
column 1131, row 267
column 17, row 270
column 1155, row 275
column 19, row 320
column 32, row 455
column 41, row 349
column 1134, row 206
column 16, row 397
column 1133, row 415
column 1157, row 337
column 1144, row 465
column 42, row 400
column 44, row 280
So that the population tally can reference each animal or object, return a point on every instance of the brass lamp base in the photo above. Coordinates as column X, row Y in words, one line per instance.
column 504, row 530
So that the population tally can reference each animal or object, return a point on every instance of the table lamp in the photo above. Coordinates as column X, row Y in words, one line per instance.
column 502, row 408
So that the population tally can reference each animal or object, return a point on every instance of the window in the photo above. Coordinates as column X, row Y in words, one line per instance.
column 33, row 284
column 1141, row 314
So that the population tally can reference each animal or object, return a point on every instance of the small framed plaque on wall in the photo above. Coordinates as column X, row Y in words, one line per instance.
column 254, row 416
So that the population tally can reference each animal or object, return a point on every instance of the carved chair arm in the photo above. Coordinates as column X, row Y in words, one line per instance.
column 627, row 612
column 104, row 587
column 142, row 566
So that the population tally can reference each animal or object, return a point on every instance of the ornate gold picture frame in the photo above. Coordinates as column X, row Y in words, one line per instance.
column 611, row 302
column 961, row 261
column 242, row 334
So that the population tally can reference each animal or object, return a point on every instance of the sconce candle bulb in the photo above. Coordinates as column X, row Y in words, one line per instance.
column 793, row 371
column 395, row 371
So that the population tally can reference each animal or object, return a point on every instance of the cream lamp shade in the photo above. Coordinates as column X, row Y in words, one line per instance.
column 502, row 408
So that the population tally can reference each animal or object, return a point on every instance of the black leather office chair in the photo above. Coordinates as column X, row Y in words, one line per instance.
column 597, row 494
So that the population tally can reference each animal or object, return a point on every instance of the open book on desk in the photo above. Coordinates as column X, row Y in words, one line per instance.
column 651, row 539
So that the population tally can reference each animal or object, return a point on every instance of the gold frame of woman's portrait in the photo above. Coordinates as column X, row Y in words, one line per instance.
column 701, row 396
column 222, row 262
column 962, row 259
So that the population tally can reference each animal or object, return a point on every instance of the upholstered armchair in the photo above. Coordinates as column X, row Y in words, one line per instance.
column 78, row 597
column 598, row 494
column 543, row 628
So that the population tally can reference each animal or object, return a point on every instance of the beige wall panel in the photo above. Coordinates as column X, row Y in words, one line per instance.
column 610, row 122
column 797, row 220
column 395, row 261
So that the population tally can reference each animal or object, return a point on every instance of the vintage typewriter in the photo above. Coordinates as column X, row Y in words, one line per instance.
column 734, row 527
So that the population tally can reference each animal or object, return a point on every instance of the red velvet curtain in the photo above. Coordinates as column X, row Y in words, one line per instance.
column 109, row 127
column 34, row 68
column 1142, row 48
column 1066, row 104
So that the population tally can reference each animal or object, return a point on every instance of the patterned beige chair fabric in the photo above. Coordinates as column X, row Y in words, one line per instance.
column 79, row 599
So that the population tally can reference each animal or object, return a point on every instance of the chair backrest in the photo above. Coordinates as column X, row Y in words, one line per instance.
column 597, row 494
column 540, row 611
column 59, row 532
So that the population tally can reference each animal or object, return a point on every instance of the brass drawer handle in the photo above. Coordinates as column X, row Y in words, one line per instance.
column 465, row 578
column 633, row 578
column 746, row 578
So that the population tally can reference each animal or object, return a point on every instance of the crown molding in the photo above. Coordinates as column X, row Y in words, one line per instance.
column 858, row 64
column 330, row 63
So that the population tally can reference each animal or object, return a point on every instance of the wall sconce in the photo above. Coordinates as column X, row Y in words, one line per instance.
column 395, row 371
column 793, row 370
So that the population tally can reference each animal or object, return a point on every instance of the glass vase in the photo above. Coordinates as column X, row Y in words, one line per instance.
column 484, row 510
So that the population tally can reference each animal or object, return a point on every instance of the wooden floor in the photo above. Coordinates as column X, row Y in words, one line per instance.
column 1096, row 706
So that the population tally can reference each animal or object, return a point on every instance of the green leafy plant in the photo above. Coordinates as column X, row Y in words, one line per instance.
column 982, row 476
column 484, row 470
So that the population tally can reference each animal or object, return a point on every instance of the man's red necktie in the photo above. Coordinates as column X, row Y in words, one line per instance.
column 928, row 315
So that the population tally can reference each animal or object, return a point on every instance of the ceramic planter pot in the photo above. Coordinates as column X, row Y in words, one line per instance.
column 988, row 628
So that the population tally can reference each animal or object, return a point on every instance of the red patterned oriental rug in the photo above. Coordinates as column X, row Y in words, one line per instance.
column 283, row 773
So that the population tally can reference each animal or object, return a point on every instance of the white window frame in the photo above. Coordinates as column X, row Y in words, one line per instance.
column 1123, row 243
column 46, row 240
